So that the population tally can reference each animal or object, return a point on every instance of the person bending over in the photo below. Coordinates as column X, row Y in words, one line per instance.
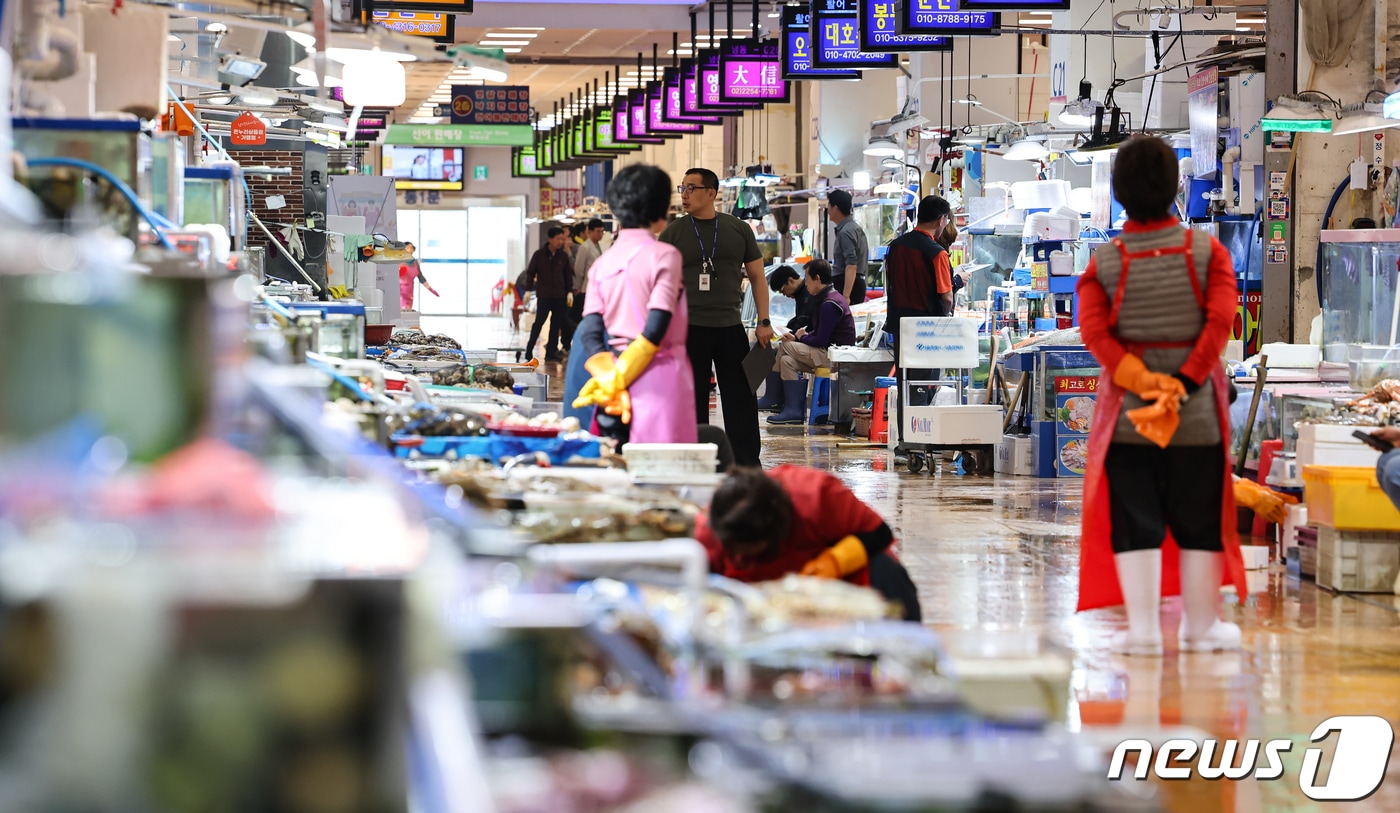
column 763, row 526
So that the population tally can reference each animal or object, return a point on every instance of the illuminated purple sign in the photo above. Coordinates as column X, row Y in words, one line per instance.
column 657, row 123
column 708, row 87
column 752, row 71
column 674, row 110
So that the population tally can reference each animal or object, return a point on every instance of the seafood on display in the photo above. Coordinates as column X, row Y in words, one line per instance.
column 445, row 422
column 417, row 338
column 548, row 419
column 1380, row 406
column 483, row 378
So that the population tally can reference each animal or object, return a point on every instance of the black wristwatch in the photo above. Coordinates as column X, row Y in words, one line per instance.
column 765, row 323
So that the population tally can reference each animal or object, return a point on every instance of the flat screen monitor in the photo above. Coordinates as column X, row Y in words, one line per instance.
column 424, row 167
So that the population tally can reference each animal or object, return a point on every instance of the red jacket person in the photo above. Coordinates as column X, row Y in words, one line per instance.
column 763, row 526
column 1156, row 307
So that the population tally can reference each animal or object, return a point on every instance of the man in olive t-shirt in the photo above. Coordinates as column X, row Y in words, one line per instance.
column 718, row 251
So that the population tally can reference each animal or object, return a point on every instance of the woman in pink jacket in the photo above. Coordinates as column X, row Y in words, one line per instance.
column 636, row 308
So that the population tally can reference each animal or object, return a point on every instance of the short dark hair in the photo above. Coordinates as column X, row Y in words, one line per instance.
column 841, row 200
column 554, row 231
column 1145, row 178
column 707, row 177
column 931, row 208
column 750, row 507
column 781, row 275
column 820, row 269
column 597, row 223
column 639, row 195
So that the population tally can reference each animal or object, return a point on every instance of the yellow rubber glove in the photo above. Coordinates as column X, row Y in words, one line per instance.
column 612, row 377
column 1133, row 376
column 841, row 559
column 1158, row 421
column 1263, row 501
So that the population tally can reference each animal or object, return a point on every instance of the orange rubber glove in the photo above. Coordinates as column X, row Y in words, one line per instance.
column 1262, row 500
column 839, row 560
column 1133, row 376
column 1158, row 421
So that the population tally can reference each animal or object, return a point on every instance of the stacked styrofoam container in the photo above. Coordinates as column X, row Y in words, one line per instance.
column 1325, row 444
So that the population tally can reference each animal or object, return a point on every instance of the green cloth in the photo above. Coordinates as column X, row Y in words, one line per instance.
column 353, row 244
column 721, row 306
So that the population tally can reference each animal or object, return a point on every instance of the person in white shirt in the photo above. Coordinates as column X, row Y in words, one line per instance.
column 584, row 258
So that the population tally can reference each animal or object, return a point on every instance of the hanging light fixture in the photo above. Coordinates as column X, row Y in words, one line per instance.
column 1363, row 118
column 1294, row 115
column 375, row 82
column 1080, row 112
column 1027, row 150
column 881, row 146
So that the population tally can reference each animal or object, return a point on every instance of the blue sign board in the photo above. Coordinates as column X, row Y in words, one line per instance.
column 836, row 34
column 1016, row 5
column 879, row 31
column 797, row 48
column 947, row 17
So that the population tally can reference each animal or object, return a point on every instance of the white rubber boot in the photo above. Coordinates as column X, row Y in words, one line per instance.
column 1201, row 627
column 1140, row 576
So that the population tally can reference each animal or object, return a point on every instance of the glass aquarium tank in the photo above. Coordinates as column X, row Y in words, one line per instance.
column 1358, row 275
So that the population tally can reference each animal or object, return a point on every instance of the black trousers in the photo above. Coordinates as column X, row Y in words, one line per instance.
column 576, row 312
column 857, row 287
column 556, row 309
column 724, row 348
column 1151, row 490
column 889, row 578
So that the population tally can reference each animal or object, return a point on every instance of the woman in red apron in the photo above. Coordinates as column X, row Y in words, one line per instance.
column 1156, row 308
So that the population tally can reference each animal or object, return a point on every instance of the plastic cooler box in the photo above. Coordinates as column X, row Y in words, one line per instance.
column 1358, row 561
column 1348, row 498
column 953, row 425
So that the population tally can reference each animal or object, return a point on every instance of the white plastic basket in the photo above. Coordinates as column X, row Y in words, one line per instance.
column 671, row 459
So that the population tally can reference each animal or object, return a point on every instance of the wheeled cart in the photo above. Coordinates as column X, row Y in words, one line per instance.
column 949, row 345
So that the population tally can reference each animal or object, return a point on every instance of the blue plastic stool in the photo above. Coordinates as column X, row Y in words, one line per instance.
column 819, row 404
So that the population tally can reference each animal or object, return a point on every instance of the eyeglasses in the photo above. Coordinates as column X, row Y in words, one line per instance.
column 689, row 189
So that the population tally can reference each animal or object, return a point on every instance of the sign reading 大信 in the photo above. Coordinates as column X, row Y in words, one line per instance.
column 938, row 342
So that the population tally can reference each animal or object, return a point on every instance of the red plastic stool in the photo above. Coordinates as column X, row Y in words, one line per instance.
column 879, row 416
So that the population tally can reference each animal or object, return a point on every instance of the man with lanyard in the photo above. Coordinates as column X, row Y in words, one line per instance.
column 918, row 283
column 719, row 251
column 852, row 252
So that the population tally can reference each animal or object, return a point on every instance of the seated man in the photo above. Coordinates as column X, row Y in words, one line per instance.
column 786, row 281
column 806, row 349
column 763, row 526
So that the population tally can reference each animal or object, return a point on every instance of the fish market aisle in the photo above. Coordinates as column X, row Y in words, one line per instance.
column 1003, row 552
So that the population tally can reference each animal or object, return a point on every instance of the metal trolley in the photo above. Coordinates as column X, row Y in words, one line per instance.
column 947, row 344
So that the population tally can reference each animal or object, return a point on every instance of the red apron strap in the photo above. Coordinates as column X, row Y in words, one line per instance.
column 1191, row 271
column 1122, row 283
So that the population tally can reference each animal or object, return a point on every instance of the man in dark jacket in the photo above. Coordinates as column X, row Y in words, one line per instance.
column 551, row 276
column 804, row 350
column 918, row 283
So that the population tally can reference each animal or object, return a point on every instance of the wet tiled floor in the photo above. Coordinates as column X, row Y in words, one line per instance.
column 1002, row 552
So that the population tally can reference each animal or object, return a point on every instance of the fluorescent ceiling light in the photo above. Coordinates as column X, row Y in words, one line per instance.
column 512, row 50
column 510, row 35
column 522, row 28
column 500, row 43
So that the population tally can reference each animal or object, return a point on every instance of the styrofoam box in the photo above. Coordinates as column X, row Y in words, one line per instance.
column 1292, row 356
column 1357, row 561
column 1014, row 456
column 669, row 459
column 954, row 425
column 1323, row 444
column 1256, row 557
